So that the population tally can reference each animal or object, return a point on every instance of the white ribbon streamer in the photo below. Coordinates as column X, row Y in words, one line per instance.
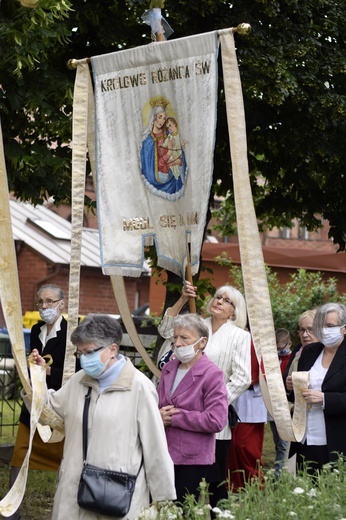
column 254, row 275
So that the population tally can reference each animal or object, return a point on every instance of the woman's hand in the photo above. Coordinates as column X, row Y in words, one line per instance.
column 189, row 291
column 289, row 383
column 37, row 359
column 313, row 396
column 166, row 414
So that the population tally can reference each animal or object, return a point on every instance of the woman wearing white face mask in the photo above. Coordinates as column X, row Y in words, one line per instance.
column 326, row 395
column 229, row 348
column 193, row 404
column 49, row 338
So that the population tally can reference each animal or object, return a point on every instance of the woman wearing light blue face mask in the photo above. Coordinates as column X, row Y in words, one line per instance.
column 326, row 395
column 125, row 430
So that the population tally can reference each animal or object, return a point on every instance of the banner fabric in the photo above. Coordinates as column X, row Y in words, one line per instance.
column 155, row 136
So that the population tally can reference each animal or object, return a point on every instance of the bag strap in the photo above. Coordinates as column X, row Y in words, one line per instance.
column 85, row 428
column 85, row 422
column 140, row 467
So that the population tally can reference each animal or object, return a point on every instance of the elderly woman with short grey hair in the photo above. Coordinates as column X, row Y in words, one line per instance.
column 326, row 395
column 193, row 404
column 228, row 348
column 125, row 430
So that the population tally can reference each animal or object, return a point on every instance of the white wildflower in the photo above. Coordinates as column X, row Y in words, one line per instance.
column 165, row 509
column 292, row 513
column 226, row 514
column 312, row 492
column 298, row 491
column 151, row 513
column 336, row 470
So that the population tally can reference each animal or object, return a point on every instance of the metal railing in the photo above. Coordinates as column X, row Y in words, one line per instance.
column 10, row 401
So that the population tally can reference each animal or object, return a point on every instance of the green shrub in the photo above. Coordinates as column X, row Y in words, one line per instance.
column 305, row 290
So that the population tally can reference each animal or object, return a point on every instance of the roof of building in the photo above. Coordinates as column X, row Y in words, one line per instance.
column 291, row 258
column 49, row 235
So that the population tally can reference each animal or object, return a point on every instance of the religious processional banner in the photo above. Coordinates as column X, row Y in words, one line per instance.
column 155, row 136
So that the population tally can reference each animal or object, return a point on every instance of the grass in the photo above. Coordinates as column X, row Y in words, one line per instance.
column 39, row 495
column 10, row 411
column 268, row 453
column 38, row 498
column 301, row 497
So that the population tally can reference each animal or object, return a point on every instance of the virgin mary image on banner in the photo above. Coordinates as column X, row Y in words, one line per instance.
column 163, row 162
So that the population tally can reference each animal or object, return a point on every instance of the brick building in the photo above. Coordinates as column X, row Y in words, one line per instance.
column 43, row 256
column 42, row 241
column 283, row 261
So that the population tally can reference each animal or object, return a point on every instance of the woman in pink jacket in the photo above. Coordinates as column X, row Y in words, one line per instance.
column 193, row 404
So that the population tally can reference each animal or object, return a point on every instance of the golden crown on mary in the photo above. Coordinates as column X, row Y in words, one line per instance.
column 159, row 101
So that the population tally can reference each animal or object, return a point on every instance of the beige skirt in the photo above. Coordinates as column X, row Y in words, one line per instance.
column 44, row 456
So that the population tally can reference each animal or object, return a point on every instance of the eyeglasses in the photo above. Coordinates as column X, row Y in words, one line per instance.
column 332, row 325
column 48, row 302
column 225, row 300
column 78, row 353
column 302, row 331
column 288, row 344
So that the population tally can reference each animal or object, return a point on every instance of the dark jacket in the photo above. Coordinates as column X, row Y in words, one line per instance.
column 288, row 366
column 56, row 347
column 334, row 389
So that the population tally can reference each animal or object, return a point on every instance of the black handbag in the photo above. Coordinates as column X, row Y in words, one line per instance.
column 233, row 417
column 101, row 490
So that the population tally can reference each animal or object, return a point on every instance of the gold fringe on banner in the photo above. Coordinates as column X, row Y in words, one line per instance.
column 254, row 275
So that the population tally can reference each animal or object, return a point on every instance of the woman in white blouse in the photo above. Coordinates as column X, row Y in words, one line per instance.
column 326, row 396
column 229, row 348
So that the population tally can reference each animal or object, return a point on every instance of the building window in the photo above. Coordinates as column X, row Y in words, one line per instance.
column 285, row 232
column 303, row 233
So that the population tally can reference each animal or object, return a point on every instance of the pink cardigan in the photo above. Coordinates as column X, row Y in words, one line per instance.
column 202, row 400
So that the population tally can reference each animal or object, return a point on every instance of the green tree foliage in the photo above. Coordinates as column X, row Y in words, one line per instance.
column 293, row 76
column 305, row 290
column 35, row 99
